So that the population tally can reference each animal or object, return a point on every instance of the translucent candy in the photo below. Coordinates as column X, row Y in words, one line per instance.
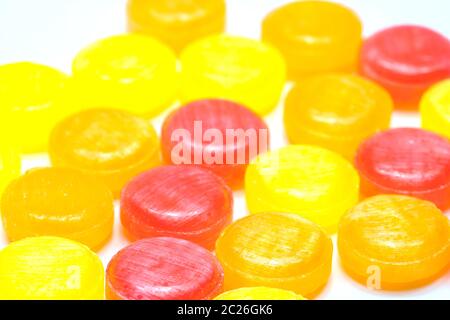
column 435, row 108
column 259, row 293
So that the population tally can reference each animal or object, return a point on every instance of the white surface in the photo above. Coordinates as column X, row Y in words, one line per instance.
column 52, row 31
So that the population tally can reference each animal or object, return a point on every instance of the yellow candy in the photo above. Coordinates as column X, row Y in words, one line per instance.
column 131, row 72
column 239, row 69
column 9, row 166
column 435, row 108
column 32, row 100
column 259, row 293
column 316, row 183
column 50, row 268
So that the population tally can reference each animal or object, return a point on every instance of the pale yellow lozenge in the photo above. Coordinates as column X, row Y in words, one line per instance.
column 435, row 108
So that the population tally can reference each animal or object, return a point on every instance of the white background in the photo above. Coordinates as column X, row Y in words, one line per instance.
column 53, row 31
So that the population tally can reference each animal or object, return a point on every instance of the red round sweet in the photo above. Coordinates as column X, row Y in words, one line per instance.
column 406, row 60
column 163, row 269
column 201, row 133
column 408, row 161
column 185, row 202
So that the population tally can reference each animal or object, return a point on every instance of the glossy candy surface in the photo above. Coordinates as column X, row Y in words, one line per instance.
column 406, row 161
column 27, row 119
column 259, row 293
column 401, row 242
column 279, row 250
column 336, row 111
column 163, row 269
column 314, row 37
column 419, row 58
column 435, row 108
column 239, row 69
column 177, row 201
column 9, row 166
column 176, row 22
column 58, row 202
column 313, row 182
column 131, row 72
column 204, row 140
column 50, row 268
column 112, row 145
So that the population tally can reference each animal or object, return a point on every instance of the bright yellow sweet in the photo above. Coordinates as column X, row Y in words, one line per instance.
column 109, row 144
column 131, row 72
column 50, row 268
column 58, row 202
column 313, row 182
column 9, row 166
column 176, row 22
column 277, row 250
column 336, row 111
column 394, row 242
column 259, row 293
column 32, row 100
column 234, row 68
column 435, row 108
column 314, row 37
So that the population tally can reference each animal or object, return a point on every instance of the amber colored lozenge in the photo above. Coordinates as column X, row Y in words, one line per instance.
column 313, row 182
column 163, row 269
column 435, row 108
column 408, row 161
column 279, row 250
column 314, row 37
column 259, row 293
column 33, row 98
column 58, row 202
column 130, row 72
column 177, row 201
column 111, row 145
column 176, row 22
column 239, row 69
column 219, row 135
column 419, row 59
column 336, row 111
column 10, row 165
column 394, row 242
column 50, row 268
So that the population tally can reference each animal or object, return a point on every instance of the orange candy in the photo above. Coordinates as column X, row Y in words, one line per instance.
column 278, row 250
column 314, row 37
column 176, row 22
column 58, row 202
column 109, row 144
column 394, row 242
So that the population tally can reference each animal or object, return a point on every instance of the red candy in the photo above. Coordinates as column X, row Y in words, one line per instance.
column 406, row 60
column 406, row 161
column 163, row 269
column 202, row 133
column 177, row 201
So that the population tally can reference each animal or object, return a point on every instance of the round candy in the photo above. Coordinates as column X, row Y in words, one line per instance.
column 435, row 108
column 50, row 268
column 314, row 37
column 177, row 201
column 219, row 135
column 406, row 161
column 163, row 269
column 336, row 111
column 9, row 166
column 279, row 250
column 239, row 69
column 31, row 102
column 111, row 145
column 313, row 182
column 178, row 22
column 394, row 242
column 131, row 72
column 58, row 202
column 406, row 60
column 259, row 293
